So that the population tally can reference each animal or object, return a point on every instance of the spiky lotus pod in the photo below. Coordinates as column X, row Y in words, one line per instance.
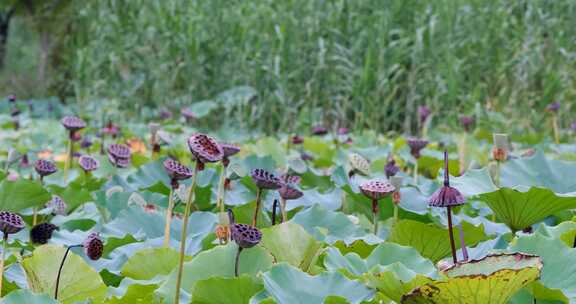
column 73, row 123
column 119, row 155
column 10, row 223
column 204, row 148
column 358, row 164
column 88, row 163
column 288, row 192
column 319, row 130
column 44, row 167
column 265, row 180
column 41, row 233
column 93, row 246
column 58, row 205
column 376, row 189
column 176, row 170
column 416, row 145
column 244, row 235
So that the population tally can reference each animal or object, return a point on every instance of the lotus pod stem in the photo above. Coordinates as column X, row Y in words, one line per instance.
column 452, row 244
column 237, row 261
column 169, row 211
column 189, row 202
column 258, row 199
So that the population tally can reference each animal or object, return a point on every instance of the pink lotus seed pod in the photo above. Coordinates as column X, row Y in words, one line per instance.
column 73, row 123
column 265, row 180
column 416, row 145
column 204, row 148
column 176, row 170
column 244, row 235
column 44, row 167
column 88, row 163
column 10, row 223
column 290, row 193
column 376, row 189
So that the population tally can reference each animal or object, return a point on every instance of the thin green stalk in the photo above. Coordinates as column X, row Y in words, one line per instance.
column 4, row 248
column 169, row 217
column 221, row 190
column 555, row 128
column 416, row 173
column 68, row 160
column 258, row 199
column 375, row 215
column 452, row 244
column 395, row 213
column 283, row 208
column 189, row 201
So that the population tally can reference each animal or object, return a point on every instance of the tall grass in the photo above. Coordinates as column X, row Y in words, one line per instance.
column 361, row 63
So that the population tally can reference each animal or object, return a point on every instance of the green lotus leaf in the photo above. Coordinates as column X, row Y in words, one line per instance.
column 287, row 284
column 559, row 261
column 148, row 263
column 21, row 194
column 135, row 293
column 219, row 290
column 26, row 296
column 329, row 226
column 218, row 261
column 391, row 268
column 520, row 209
column 431, row 241
column 539, row 171
column 289, row 242
column 493, row 279
column 474, row 182
column 565, row 231
column 79, row 281
column 150, row 175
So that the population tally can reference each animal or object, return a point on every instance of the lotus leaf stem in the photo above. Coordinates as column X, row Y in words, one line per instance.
column 60, row 270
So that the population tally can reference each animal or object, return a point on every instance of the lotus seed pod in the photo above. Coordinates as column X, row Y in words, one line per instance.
column 176, row 170
column 376, row 189
column 265, row 180
column 44, row 167
column 229, row 149
column 73, row 123
column 88, row 163
column 57, row 205
column 446, row 196
column 204, row 148
column 319, row 130
column 244, row 235
column 297, row 140
column 41, row 233
column 290, row 193
column 153, row 127
column 12, row 98
column 501, row 141
column 188, row 114
column 416, row 145
column 343, row 131
column 119, row 155
column 290, row 179
column 359, row 164
column 10, row 223
column 93, row 246
column 390, row 169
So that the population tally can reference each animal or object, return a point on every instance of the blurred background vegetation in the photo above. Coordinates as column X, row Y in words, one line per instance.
column 281, row 65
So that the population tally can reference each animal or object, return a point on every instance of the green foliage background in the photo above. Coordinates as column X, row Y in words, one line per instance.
column 363, row 64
